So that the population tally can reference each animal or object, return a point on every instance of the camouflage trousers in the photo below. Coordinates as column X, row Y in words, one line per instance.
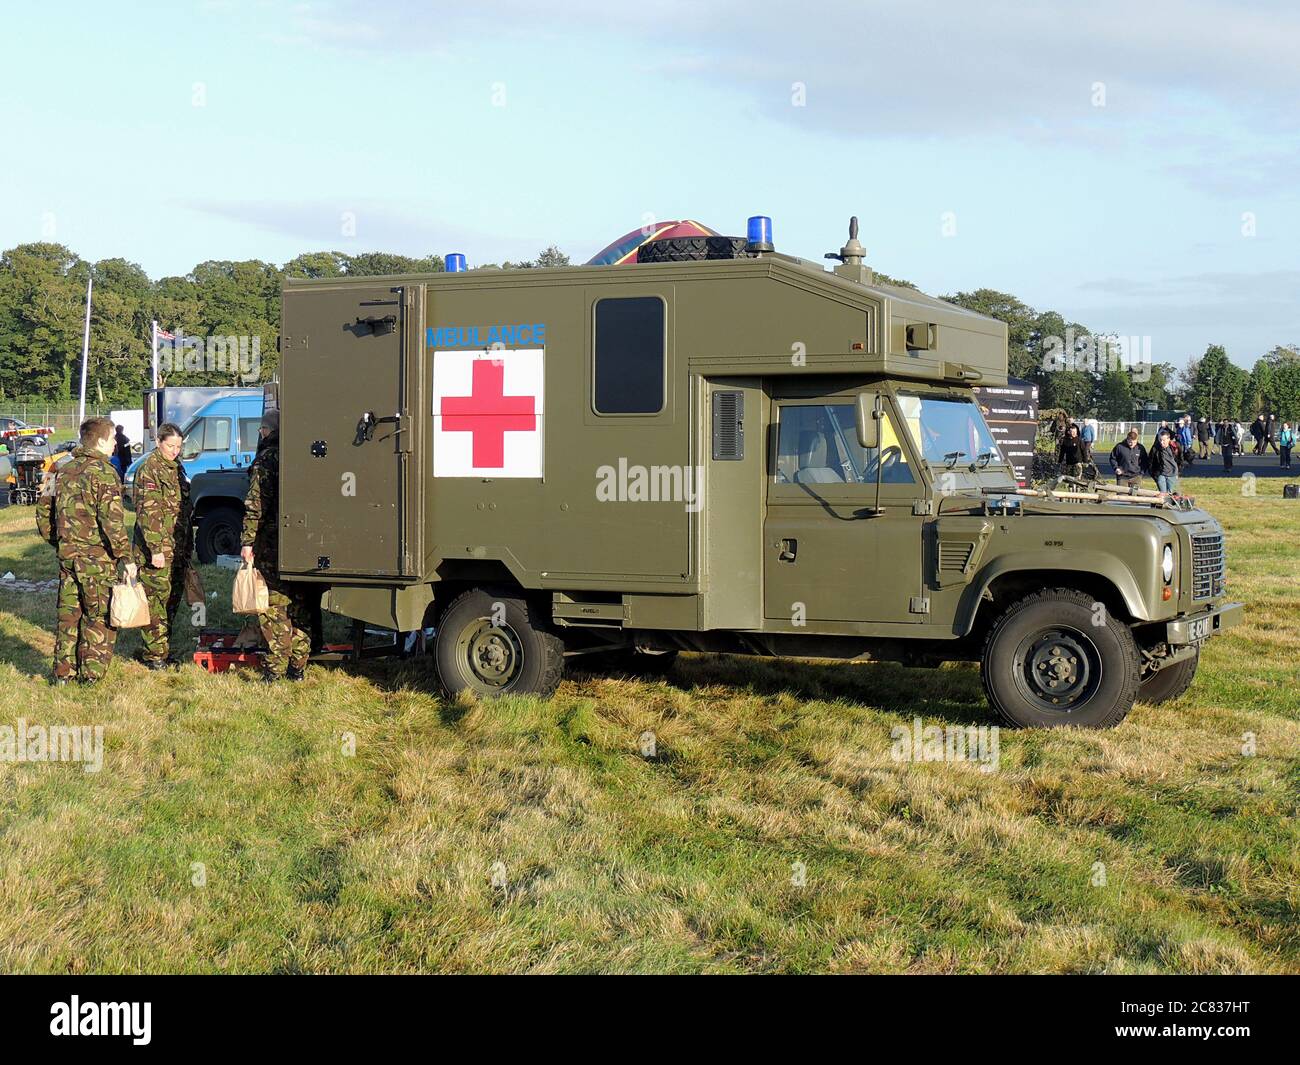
column 286, row 627
column 164, row 589
column 83, row 638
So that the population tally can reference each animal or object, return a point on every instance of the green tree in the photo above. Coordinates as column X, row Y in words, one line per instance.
column 1286, row 381
column 1115, row 396
column 1158, row 386
column 1260, row 389
column 316, row 264
column 42, row 304
column 381, row 263
column 1217, row 387
column 551, row 256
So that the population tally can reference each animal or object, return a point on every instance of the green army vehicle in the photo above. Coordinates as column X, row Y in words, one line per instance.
column 719, row 449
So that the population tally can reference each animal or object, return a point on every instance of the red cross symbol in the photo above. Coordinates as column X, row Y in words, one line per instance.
column 489, row 414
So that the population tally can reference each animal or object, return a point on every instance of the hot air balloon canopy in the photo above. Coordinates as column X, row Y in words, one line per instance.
column 625, row 248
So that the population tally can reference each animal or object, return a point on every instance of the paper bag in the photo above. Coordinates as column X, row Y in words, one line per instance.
column 250, row 594
column 129, row 608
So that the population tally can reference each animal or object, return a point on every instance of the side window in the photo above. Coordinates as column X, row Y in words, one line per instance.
column 216, row 437
column 248, row 428
column 193, row 440
column 628, row 363
column 818, row 444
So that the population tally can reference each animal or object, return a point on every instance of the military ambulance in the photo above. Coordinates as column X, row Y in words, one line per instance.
column 719, row 449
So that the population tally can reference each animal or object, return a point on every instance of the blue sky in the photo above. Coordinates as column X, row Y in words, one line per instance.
column 1133, row 166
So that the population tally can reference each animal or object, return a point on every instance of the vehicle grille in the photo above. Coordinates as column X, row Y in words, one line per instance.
column 1207, row 565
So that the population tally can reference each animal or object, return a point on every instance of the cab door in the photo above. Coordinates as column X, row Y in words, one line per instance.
column 841, row 542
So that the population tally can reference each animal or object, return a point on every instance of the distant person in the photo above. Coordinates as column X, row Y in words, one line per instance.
column 1286, row 441
column 1070, row 452
column 1270, row 435
column 1129, row 460
column 1239, row 434
column 1088, row 437
column 1185, row 440
column 1204, row 438
column 1164, row 464
column 1257, row 432
column 1227, row 438
column 1170, row 431
column 122, row 451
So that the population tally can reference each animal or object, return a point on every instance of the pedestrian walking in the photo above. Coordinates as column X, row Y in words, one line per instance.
column 1088, row 437
column 1227, row 442
column 1070, row 452
column 1128, row 459
column 1164, row 464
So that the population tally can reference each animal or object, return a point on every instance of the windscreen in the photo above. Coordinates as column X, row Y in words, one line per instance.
column 946, row 426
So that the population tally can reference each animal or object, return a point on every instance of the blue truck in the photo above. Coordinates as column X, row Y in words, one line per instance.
column 220, row 442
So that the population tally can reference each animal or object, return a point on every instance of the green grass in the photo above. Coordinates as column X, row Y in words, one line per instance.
column 320, row 860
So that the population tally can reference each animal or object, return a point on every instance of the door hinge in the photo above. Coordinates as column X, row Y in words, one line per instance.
column 918, row 605
column 923, row 507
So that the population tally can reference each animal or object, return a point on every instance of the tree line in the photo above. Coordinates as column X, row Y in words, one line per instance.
column 42, row 303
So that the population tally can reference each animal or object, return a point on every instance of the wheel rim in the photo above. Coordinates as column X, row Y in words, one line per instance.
column 225, row 540
column 490, row 656
column 1058, row 670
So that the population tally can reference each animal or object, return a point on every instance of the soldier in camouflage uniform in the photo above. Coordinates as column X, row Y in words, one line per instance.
column 81, row 515
column 163, row 540
column 286, row 625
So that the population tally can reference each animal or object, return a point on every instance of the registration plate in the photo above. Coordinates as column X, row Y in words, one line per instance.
column 1200, row 629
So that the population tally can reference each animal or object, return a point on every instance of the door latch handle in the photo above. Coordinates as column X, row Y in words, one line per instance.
column 788, row 548
column 368, row 422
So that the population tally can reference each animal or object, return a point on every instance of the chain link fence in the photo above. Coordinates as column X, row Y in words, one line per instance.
column 63, row 418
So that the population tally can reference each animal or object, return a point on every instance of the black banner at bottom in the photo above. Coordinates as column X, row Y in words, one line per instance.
column 167, row 1013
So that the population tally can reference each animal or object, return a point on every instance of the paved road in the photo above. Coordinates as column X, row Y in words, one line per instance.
column 1259, row 465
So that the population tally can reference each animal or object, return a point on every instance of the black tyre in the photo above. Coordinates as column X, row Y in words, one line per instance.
column 1170, row 682
column 1048, row 663
column 497, row 644
column 690, row 249
column 219, row 533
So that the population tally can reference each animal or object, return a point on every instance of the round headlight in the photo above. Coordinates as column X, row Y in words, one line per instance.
column 1167, row 564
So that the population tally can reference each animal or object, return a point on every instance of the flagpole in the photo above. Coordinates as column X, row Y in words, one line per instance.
column 155, row 354
column 85, row 352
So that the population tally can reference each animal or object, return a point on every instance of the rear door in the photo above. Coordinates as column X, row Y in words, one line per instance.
column 350, row 476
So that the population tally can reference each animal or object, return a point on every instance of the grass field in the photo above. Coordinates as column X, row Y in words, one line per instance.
column 234, row 828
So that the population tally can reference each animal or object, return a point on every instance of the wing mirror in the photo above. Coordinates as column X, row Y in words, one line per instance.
column 869, row 413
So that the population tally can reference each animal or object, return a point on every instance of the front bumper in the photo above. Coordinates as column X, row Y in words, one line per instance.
column 1196, row 628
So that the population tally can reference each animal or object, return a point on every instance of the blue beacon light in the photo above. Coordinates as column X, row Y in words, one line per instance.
column 759, row 234
column 455, row 263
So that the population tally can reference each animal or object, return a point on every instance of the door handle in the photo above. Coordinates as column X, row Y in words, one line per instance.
column 787, row 549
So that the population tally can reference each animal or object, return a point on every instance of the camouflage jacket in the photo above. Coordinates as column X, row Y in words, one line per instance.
column 88, row 519
column 162, row 508
column 262, row 504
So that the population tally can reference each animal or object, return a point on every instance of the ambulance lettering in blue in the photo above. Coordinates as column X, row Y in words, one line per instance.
column 524, row 334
